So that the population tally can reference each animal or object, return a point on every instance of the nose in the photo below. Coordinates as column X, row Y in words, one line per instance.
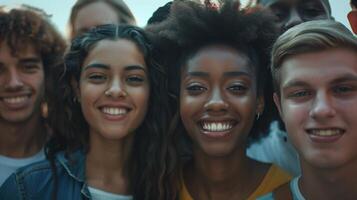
column 293, row 20
column 322, row 107
column 14, row 80
column 116, row 89
column 216, row 101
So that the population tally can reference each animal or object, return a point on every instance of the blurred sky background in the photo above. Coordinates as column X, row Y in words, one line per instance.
column 142, row 9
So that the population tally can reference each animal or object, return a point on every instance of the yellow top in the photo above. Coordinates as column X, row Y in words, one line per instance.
column 273, row 179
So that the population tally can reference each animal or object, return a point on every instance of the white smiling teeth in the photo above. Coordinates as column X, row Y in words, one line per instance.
column 15, row 100
column 114, row 111
column 216, row 126
column 326, row 132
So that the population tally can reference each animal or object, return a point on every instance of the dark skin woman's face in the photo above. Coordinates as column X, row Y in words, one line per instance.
column 293, row 12
column 218, row 100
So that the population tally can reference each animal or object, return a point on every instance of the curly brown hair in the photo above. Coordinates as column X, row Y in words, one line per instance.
column 22, row 27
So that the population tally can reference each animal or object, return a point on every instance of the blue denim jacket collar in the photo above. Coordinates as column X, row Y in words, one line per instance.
column 74, row 164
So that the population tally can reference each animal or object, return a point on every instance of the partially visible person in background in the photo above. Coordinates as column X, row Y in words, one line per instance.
column 30, row 48
column 290, row 13
column 86, row 14
column 352, row 16
column 314, row 69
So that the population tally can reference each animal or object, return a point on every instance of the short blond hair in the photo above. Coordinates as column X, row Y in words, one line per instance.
column 308, row 37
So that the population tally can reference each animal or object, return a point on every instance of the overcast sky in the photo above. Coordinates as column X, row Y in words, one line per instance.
column 142, row 9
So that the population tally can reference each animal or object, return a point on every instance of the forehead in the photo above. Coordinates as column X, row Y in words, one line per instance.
column 319, row 67
column 16, row 52
column 219, row 58
column 93, row 14
column 289, row 2
column 116, row 52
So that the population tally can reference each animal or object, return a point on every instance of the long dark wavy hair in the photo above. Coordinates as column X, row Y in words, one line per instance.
column 149, row 162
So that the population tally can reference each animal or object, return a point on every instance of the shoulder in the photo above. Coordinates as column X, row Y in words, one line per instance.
column 277, row 176
column 37, row 180
column 26, row 179
column 273, row 178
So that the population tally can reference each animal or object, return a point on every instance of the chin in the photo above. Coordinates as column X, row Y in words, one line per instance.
column 326, row 161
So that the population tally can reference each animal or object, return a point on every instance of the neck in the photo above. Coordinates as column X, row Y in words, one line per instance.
column 106, row 163
column 20, row 140
column 217, row 177
column 329, row 184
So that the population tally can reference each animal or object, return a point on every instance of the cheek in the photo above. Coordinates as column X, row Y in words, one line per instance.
column 141, row 98
column 294, row 114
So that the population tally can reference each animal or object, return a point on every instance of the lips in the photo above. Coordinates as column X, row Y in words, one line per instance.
column 216, row 129
column 325, row 135
column 217, row 126
column 15, row 102
column 114, row 110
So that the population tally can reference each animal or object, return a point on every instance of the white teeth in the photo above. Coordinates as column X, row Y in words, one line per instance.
column 114, row 111
column 216, row 126
column 327, row 132
column 15, row 100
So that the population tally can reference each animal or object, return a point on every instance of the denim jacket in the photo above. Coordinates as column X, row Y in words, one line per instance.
column 36, row 181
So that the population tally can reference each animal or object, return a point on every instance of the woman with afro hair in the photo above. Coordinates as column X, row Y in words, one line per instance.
column 217, row 59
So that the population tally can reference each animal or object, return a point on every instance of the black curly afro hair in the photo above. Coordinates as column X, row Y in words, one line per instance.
column 192, row 26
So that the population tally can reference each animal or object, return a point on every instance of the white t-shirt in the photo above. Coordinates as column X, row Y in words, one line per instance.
column 10, row 165
column 276, row 148
column 294, row 187
column 97, row 194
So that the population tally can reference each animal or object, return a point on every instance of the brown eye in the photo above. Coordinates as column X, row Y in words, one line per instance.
column 195, row 89
column 97, row 78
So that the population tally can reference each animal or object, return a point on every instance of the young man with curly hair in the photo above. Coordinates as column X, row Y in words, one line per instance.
column 29, row 48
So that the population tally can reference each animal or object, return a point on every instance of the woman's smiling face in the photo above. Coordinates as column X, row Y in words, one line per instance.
column 114, row 88
column 218, row 100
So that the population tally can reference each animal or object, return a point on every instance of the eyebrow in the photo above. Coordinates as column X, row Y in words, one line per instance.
column 134, row 67
column 96, row 65
column 198, row 74
column 236, row 73
column 295, row 83
column 345, row 78
column 30, row 60
column 229, row 74
column 106, row 67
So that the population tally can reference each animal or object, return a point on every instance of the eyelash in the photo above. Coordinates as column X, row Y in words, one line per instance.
column 195, row 89
column 135, row 79
column 343, row 89
column 299, row 94
column 97, row 77
column 237, row 88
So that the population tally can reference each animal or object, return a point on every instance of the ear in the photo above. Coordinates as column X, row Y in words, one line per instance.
column 260, row 105
column 277, row 102
column 75, row 87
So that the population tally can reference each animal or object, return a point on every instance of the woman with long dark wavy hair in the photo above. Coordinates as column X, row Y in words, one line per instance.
column 109, row 122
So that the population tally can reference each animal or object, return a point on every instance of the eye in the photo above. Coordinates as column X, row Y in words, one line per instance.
column 237, row 88
column 299, row 94
column 135, row 79
column 30, row 68
column 195, row 89
column 343, row 89
column 97, row 77
column 311, row 10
